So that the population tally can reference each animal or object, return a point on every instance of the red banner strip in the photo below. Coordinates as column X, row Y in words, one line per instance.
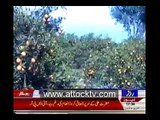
column 23, row 93
column 133, row 99
column 56, row 104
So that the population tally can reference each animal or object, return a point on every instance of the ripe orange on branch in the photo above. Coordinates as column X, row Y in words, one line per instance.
column 28, row 42
column 128, row 83
column 14, row 28
column 19, row 67
column 23, row 54
column 129, row 67
column 46, row 16
column 33, row 60
column 51, row 76
column 23, row 70
column 46, row 19
column 18, row 60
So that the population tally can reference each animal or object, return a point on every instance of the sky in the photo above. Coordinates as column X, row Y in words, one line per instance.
column 82, row 20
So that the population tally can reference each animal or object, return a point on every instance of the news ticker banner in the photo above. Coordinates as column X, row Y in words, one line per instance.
column 126, row 100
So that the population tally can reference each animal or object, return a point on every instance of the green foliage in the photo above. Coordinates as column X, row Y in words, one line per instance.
column 132, row 18
column 62, row 62
column 29, row 26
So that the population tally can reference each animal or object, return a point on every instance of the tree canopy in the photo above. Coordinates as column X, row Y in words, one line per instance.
column 133, row 19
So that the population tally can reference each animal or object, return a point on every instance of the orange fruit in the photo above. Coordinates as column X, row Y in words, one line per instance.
column 23, row 69
column 14, row 28
column 19, row 67
column 46, row 16
column 128, row 83
column 125, row 81
column 29, row 68
column 23, row 54
column 18, row 60
column 33, row 60
column 51, row 77
column 28, row 43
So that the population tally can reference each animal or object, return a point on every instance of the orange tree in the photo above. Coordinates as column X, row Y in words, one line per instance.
column 101, row 63
column 34, row 47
